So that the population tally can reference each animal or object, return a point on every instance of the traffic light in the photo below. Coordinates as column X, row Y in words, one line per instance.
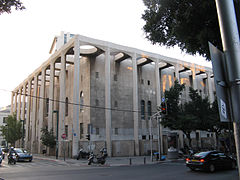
column 88, row 137
column 163, row 108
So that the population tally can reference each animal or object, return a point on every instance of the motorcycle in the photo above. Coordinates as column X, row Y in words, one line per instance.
column 82, row 154
column 98, row 159
column 1, row 158
column 12, row 159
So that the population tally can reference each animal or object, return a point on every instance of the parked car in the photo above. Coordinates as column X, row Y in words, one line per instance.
column 23, row 155
column 211, row 161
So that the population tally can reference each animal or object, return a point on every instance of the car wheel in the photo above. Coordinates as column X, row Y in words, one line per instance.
column 30, row 160
column 192, row 168
column 233, row 165
column 211, row 168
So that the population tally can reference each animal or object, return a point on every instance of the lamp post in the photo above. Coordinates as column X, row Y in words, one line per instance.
column 56, row 111
column 22, row 133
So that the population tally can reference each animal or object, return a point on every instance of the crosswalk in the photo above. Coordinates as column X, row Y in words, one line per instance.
column 34, row 164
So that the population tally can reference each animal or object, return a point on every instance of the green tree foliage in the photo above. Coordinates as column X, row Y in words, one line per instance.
column 48, row 139
column 177, row 118
column 189, row 24
column 197, row 114
column 200, row 108
column 6, row 6
column 13, row 131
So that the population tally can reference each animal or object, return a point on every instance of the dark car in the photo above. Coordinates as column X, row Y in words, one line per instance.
column 210, row 161
column 23, row 155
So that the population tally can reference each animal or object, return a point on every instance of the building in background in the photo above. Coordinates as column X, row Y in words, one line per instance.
column 108, row 91
column 4, row 113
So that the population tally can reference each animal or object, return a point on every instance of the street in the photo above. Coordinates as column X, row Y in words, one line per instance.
column 52, row 170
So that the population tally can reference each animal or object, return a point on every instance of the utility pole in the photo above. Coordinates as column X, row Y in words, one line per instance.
column 231, row 49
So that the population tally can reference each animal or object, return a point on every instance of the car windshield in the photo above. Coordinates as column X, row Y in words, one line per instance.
column 201, row 154
column 19, row 151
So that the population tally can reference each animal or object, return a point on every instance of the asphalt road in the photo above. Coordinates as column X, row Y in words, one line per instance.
column 42, row 169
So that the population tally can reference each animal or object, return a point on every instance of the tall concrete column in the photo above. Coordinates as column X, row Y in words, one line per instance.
column 157, row 80
column 15, row 102
column 34, row 115
column 42, row 101
column 108, row 112
column 51, row 96
column 62, row 99
column 76, row 98
column 29, row 93
column 158, row 93
column 194, row 81
column 135, row 104
column 23, row 102
column 176, row 67
column 210, row 88
column 12, row 97
column 19, row 104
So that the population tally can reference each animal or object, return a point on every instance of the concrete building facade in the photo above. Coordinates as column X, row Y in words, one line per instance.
column 4, row 113
column 108, row 91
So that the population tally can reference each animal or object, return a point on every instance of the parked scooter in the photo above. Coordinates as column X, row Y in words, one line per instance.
column 98, row 159
column 82, row 154
column 12, row 158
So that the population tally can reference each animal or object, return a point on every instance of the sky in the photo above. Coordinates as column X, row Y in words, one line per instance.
column 26, row 36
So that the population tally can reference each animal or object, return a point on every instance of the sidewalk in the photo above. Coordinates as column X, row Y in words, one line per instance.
column 110, row 161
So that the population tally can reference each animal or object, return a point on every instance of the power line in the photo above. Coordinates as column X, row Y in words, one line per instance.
column 77, row 104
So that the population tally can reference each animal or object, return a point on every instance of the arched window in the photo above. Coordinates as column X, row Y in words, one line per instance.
column 66, row 107
column 149, row 107
column 142, row 109
column 81, row 102
column 47, row 106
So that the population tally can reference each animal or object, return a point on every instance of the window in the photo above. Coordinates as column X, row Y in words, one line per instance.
column 116, row 131
column 81, row 130
column 149, row 106
column 115, row 77
column 81, row 78
column 144, row 137
column 4, row 119
column 66, row 107
column 97, row 75
column 142, row 81
column 66, row 130
column 149, row 82
column 142, row 109
column 47, row 106
column 97, row 102
column 89, row 131
column 97, row 131
column 115, row 104
column 65, row 38
column 197, row 136
column 81, row 102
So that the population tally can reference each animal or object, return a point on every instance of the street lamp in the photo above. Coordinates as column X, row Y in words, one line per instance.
column 56, row 111
column 22, row 133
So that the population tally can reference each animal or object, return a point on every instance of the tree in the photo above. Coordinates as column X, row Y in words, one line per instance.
column 13, row 130
column 177, row 118
column 6, row 6
column 189, row 24
column 48, row 139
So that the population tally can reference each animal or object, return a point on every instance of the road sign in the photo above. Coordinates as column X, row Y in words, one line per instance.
column 64, row 136
column 220, row 78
